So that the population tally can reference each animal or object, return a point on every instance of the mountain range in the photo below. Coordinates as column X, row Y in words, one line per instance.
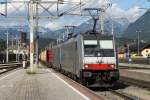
column 122, row 28
column 141, row 26
column 119, row 27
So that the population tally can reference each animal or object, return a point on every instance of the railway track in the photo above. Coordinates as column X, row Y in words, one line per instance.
column 135, row 82
column 8, row 67
column 122, row 92
column 128, row 67
column 123, row 95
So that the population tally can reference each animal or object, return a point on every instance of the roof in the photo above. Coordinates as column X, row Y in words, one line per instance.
column 147, row 46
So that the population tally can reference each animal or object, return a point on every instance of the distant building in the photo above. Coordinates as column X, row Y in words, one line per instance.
column 146, row 51
column 23, row 39
column 121, row 55
column 132, row 50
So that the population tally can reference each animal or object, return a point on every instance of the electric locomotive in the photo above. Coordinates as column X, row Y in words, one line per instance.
column 88, row 57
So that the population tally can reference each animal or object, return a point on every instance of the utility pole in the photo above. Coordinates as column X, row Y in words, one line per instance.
column 128, row 50
column 50, row 45
column 112, row 32
column 37, row 37
column 118, row 43
column 58, row 39
column 18, row 51
column 114, row 43
column 139, row 43
column 7, row 48
column 101, row 23
column 67, row 31
column 16, row 48
column 63, row 36
column 12, row 42
column 31, row 23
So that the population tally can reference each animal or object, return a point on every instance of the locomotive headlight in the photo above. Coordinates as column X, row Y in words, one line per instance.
column 86, row 66
column 112, row 66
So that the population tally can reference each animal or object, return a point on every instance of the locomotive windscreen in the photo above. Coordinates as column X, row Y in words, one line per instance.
column 104, row 49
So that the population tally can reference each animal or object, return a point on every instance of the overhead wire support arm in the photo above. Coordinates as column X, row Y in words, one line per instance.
column 46, row 9
column 76, row 5
column 67, row 12
column 50, row 14
column 29, row 12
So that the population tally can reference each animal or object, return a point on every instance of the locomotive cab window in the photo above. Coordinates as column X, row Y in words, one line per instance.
column 104, row 49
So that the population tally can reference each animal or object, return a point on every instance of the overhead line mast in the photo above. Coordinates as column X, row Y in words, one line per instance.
column 33, row 16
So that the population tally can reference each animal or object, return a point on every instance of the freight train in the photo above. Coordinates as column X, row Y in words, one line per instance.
column 46, row 57
column 89, row 58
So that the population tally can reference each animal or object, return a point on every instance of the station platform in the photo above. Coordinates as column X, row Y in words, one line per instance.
column 44, row 85
column 138, row 74
column 134, row 65
column 135, row 71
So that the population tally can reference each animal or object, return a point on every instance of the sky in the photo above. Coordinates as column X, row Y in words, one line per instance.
column 120, row 9
column 126, row 4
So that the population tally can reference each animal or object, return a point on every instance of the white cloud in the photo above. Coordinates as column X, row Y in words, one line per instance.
column 54, row 25
column 65, row 21
column 131, row 14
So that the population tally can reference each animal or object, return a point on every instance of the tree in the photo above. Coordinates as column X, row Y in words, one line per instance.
column 2, row 45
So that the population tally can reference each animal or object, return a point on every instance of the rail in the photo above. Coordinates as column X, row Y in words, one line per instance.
column 133, row 66
column 139, row 83
column 123, row 95
column 8, row 67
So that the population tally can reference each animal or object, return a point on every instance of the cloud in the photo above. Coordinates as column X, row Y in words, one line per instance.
column 65, row 21
column 131, row 14
column 54, row 25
